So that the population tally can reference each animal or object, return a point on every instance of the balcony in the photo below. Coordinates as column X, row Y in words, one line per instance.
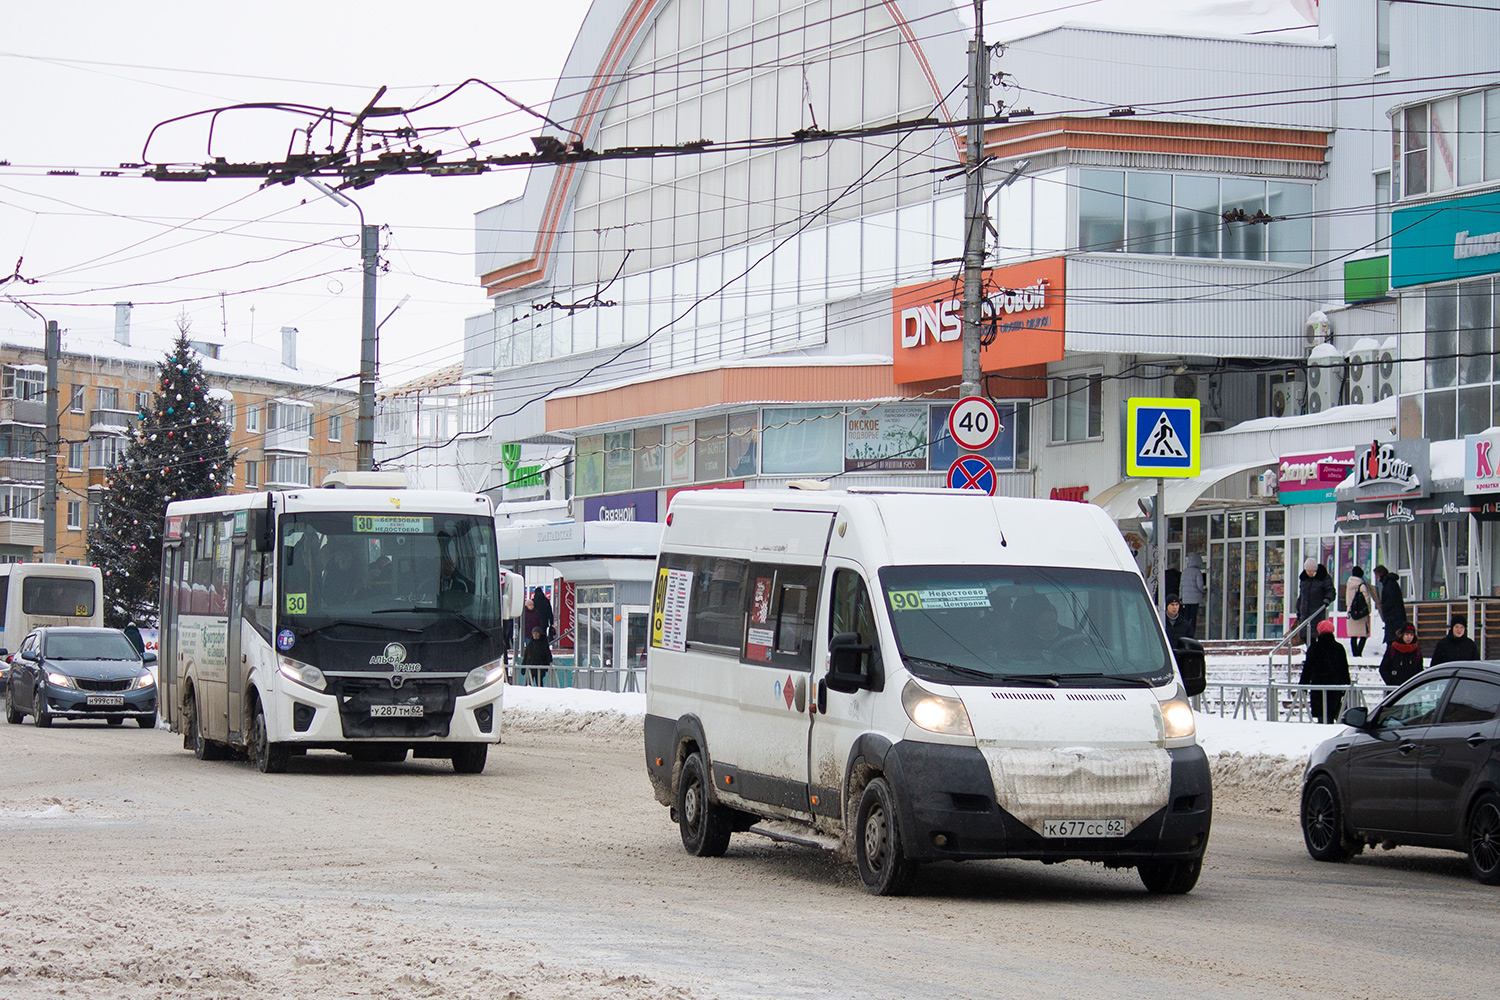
column 22, row 470
column 19, row 531
column 23, row 411
column 123, row 419
column 288, row 439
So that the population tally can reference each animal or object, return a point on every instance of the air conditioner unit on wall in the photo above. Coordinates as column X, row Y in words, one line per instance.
column 1325, row 369
column 1386, row 369
column 1287, row 399
column 1363, row 361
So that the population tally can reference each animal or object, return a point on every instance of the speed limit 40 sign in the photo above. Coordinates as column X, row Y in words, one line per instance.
column 974, row 423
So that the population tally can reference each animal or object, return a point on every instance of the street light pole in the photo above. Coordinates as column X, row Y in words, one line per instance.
column 369, row 251
column 974, row 208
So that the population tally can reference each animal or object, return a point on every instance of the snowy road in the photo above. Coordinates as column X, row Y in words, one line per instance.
column 132, row 870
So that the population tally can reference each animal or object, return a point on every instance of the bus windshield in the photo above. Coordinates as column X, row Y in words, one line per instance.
column 387, row 568
column 1025, row 624
column 68, row 597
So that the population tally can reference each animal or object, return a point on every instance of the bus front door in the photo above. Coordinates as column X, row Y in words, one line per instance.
column 168, row 688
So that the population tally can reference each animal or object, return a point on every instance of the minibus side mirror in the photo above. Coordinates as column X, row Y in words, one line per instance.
column 1357, row 718
column 848, row 660
column 1191, row 664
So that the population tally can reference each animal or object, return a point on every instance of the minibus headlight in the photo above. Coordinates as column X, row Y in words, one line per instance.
column 1177, row 719
column 482, row 677
column 934, row 712
column 303, row 673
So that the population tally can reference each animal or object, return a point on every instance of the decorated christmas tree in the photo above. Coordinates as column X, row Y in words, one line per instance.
column 179, row 450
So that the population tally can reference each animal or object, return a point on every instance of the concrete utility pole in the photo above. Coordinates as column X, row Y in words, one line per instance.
column 365, row 432
column 974, row 208
column 49, row 468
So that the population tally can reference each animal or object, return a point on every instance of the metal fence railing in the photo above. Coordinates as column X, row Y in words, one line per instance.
column 1278, row 702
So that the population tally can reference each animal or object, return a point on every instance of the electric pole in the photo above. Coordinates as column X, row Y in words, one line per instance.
column 49, row 468
column 974, row 208
column 365, row 432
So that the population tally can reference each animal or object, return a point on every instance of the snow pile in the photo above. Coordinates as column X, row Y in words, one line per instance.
column 573, row 710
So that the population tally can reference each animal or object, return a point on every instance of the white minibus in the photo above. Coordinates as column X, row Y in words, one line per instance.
column 914, row 676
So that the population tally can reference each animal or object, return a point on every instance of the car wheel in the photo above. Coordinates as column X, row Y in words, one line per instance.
column 1323, row 821
column 146, row 721
column 268, row 757
column 1172, row 878
column 1484, row 839
column 203, row 748
column 40, row 717
column 468, row 758
column 879, row 853
column 12, row 716
column 703, row 823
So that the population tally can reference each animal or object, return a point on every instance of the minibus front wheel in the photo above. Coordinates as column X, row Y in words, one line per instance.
column 879, row 852
column 1171, row 878
column 705, row 825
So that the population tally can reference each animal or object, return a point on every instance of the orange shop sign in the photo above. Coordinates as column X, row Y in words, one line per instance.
column 1023, row 303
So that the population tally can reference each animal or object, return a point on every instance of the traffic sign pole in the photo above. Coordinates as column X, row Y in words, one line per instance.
column 1161, row 548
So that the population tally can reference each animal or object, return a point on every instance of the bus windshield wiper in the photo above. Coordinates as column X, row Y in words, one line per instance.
column 437, row 607
column 354, row 624
column 954, row 667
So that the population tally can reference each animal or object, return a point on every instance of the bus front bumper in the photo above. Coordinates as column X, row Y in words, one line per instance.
column 329, row 719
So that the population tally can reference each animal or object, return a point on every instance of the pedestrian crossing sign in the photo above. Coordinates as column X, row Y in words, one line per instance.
column 1161, row 438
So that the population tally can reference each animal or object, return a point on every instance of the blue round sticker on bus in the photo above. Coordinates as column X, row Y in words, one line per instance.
column 285, row 639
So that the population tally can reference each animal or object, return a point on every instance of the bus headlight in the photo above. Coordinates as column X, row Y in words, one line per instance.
column 935, row 713
column 1177, row 719
column 482, row 677
column 303, row 673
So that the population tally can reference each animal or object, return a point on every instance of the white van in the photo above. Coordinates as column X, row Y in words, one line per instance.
column 912, row 676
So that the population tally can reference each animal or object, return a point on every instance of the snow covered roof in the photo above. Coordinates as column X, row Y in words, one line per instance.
column 239, row 359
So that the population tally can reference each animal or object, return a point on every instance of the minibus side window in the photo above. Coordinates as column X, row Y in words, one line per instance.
column 716, row 600
column 780, row 615
column 852, row 610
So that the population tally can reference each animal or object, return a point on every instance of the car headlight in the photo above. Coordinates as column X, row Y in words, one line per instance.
column 145, row 680
column 303, row 673
column 1177, row 719
column 59, row 680
column 935, row 713
column 482, row 677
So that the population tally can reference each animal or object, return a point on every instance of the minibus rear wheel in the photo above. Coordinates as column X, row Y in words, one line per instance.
column 705, row 825
column 879, row 853
column 1171, row 878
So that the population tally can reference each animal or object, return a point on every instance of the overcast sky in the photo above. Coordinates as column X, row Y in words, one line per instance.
column 86, row 81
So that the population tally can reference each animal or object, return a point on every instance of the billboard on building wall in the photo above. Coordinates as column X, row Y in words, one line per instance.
column 1024, row 300
column 1445, row 240
column 1312, row 478
column 621, row 507
column 886, row 437
column 1482, row 463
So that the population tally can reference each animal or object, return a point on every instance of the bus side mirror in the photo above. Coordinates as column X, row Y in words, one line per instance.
column 259, row 530
column 513, row 604
column 849, row 662
column 1191, row 664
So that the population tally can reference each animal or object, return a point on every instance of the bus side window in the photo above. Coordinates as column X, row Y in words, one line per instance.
column 259, row 592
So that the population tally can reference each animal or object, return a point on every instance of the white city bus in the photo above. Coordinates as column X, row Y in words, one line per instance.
column 363, row 620
column 36, row 594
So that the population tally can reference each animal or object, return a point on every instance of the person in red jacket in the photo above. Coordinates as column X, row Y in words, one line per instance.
column 1403, row 657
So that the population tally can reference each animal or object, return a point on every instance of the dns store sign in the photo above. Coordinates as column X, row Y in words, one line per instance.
column 1023, row 304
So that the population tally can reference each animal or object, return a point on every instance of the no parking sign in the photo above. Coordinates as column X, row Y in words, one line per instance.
column 972, row 472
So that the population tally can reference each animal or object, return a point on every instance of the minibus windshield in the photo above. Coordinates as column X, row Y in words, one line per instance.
column 1025, row 624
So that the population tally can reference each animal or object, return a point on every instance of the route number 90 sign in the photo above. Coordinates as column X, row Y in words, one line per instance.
column 974, row 423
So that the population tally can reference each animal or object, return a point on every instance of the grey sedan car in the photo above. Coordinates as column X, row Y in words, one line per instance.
column 1421, row 770
column 80, row 673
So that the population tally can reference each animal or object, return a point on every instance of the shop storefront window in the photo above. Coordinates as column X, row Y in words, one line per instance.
column 744, row 443
column 648, row 457
column 618, row 462
column 803, row 439
column 590, row 473
column 712, row 461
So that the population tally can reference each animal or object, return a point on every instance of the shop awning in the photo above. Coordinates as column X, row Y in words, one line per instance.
column 1120, row 500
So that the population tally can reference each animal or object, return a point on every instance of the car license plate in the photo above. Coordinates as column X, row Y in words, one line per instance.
column 396, row 711
column 1083, row 828
column 105, row 700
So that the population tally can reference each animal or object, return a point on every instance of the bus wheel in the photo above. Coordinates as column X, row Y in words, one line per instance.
column 469, row 758
column 268, row 757
column 879, row 853
column 40, row 717
column 192, row 733
column 11, row 715
column 704, row 824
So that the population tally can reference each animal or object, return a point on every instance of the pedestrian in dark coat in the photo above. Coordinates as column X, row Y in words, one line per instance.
column 536, row 654
column 1392, row 604
column 538, row 614
column 1456, row 645
column 1176, row 621
column 1314, row 589
column 1326, row 664
column 1403, row 657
